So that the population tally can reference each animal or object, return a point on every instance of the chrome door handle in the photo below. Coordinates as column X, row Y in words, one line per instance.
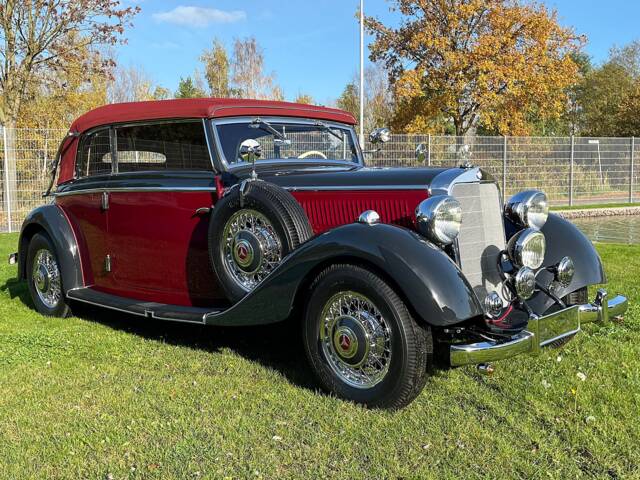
column 104, row 203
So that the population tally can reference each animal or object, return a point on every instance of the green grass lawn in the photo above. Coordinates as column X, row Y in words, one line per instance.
column 113, row 396
column 594, row 205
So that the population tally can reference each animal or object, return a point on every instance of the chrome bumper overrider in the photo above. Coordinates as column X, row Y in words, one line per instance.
column 541, row 331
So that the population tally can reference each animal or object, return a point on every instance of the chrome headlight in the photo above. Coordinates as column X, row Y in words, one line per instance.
column 528, row 209
column 439, row 218
column 527, row 248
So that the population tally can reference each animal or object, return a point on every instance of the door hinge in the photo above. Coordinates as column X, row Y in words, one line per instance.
column 107, row 263
column 105, row 201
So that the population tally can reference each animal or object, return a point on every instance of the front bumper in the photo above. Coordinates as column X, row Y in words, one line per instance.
column 541, row 331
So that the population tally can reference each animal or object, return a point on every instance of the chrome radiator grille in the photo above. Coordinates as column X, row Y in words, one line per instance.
column 481, row 236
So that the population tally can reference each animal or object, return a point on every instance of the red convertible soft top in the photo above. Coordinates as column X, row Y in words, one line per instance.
column 202, row 108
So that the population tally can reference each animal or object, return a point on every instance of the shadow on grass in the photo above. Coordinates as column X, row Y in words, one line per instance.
column 18, row 289
column 277, row 346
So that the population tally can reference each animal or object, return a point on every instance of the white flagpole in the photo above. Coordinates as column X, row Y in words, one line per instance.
column 362, row 73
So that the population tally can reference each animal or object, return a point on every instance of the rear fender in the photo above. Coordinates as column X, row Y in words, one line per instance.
column 51, row 220
column 426, row 277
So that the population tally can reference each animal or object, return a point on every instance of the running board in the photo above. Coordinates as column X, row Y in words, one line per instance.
column 156, row 311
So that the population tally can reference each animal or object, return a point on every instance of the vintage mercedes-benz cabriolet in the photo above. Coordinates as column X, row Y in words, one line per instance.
column 243, row 212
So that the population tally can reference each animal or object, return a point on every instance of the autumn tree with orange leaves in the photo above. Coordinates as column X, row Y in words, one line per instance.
column 471, row 62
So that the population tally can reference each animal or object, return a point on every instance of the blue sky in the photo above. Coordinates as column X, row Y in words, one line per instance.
column 312, row 45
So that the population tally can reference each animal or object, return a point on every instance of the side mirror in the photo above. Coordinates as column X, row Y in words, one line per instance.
column 250, row 150
column 380, row 135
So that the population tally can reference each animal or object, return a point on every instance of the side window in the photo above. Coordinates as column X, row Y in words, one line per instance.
column 164, row 146
column 94, row 155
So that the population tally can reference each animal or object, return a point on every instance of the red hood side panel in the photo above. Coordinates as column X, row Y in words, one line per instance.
column 332, row 208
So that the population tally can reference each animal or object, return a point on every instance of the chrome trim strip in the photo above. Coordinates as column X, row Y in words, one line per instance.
column 532, row 339
column 443, row 183
column 169, row 319
column 133, row 189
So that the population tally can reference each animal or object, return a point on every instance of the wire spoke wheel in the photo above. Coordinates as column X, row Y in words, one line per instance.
column 355, row 339
column 251, row 248
column 46, row 278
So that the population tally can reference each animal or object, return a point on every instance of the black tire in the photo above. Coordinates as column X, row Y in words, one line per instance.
column 578, row 297
column 40, row 242
column 411, row 343
column 283, row 212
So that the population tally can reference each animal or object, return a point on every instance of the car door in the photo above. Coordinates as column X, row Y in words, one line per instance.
column 159, row 213
column 82, row 201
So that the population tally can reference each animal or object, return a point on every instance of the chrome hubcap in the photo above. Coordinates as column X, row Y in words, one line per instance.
column 355, row 339
column 46, row 278
column 252, row 248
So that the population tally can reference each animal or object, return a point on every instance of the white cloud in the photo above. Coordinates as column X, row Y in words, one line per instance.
column 199, row 16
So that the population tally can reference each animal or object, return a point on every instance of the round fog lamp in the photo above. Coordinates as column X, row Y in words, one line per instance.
column 525, row 283
column 565, row 271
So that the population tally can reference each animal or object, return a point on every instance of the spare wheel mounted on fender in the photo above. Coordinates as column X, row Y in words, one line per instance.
column 252, row 228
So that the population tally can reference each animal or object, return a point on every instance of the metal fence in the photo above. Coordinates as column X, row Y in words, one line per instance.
column 570, row 170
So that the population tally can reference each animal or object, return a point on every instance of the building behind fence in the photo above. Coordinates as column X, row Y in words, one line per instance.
column 571, row 170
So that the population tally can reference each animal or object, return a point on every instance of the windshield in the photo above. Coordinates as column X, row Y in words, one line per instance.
column 289, row 140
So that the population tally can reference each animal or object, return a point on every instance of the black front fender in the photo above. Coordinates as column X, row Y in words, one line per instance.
column 51, row 220
column 565, row 239
column 426, row 277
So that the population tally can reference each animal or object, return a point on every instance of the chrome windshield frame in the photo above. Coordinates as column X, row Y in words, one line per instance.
column 216, row 122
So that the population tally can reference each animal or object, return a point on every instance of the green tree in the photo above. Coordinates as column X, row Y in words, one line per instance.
column 39, row 41
column 304, row 99
column 602, row 93
column 378, row 98
column 248, row 76
column 349, row 100
column 188, row 89
column 608, row 96
column 161, row 93
column 55, row 102
column 216, row 69
column 476, row 61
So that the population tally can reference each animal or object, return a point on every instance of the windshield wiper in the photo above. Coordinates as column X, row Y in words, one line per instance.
column 328, row 129
column 266, row 126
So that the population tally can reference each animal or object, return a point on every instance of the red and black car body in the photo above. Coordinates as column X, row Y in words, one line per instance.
column 131, row 232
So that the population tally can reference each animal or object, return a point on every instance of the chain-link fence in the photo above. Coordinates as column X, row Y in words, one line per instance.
column 571, row 171
column 27, row 155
